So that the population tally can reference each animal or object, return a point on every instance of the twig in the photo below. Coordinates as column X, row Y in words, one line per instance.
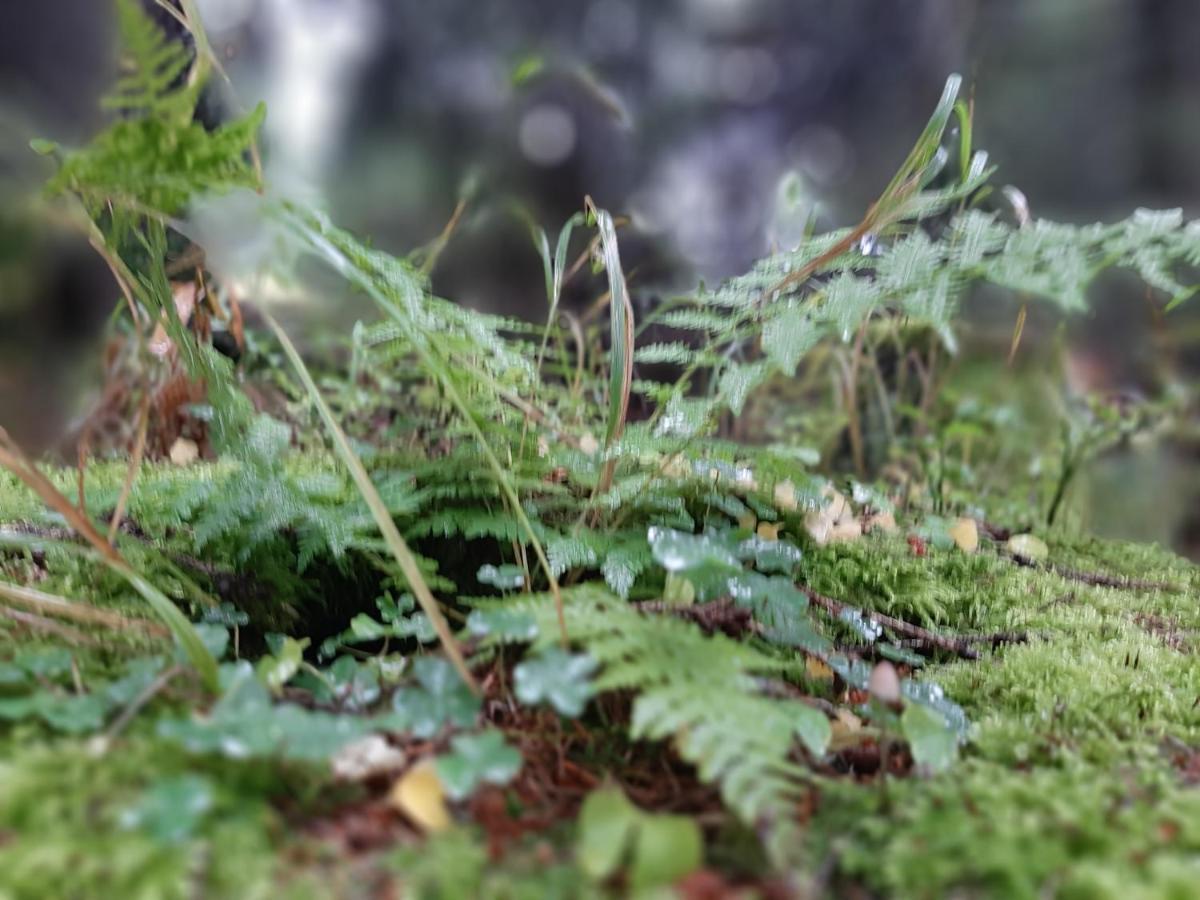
column 148, row 693
column 954, row 645
column 49, row 626
column 719, row 615
column 52, row 605
column 1095, row 579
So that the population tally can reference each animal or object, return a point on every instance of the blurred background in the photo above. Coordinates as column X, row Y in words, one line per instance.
column 692, row 117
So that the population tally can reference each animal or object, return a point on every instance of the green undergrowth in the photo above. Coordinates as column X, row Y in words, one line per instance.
column 602, row 651
column 138, row 821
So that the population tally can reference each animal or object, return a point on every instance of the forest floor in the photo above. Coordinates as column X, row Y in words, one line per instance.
column 1080, row 776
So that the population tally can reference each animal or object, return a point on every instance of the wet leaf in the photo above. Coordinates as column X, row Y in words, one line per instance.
column 606, row 824
column 556, row 677
column 245, row 723
column 665, row 849
column 770, row 554
column 676, row 551
column 505, row 578
column 172, row 809
column 933, row 742
column 477, row 759
column 502, row 624
column 442, row 699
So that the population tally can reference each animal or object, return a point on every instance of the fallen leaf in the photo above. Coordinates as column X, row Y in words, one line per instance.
column 419, row 794
column 768, row 531
column 965, row 533
column 833, row 522
column 846, row 530
column 883, row 521
column 184, row 452
column 785, row 495
column 367, row 758
column 846, row 730
column 1028, row 547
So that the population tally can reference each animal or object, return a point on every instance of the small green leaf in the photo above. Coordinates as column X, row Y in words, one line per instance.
column 665, row 849
column 74, row 714
column 556, row 677
column 679, row 552
column 770, row 556
column 171, row 810
column 43, row 147
column 933, row 742
column 442, row 699
column 813, row 729
column 502, row 624
column 505, row 578
column 364, row 628
column 606, row 824
column 477, row 759
column 526, row 68
column 244, row 723
column 276, row 671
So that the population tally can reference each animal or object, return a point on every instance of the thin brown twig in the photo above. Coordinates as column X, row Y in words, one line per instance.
column 53, row 605
column 13, row 459
column 1095, row 579
column 49, row 626
column 135, row 705
column 954, row 645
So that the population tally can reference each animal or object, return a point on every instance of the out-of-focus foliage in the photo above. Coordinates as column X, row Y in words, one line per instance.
column 666, row 582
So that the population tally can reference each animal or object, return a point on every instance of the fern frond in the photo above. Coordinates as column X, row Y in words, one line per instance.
column 154, row 66
column 702, row 691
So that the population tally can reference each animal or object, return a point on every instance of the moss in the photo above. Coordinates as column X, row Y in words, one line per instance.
column 1077, row 694
column 942, row 588
column 987, row 830
column 64, row 816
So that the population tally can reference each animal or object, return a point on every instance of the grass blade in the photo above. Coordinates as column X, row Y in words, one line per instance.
column 620, row 379
column 15, row 461
column 379, row 512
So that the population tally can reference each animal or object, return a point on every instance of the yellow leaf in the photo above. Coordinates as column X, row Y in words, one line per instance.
column 785, row 495
column 817, row 669
column 768, row 531
column 846, row 730
column 420, row 796
column 184, row 451
column 883, row 521
column 748, row 521
column 966, row 534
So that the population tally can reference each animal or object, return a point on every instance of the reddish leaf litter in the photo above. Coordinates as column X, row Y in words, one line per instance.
column 564, row 761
